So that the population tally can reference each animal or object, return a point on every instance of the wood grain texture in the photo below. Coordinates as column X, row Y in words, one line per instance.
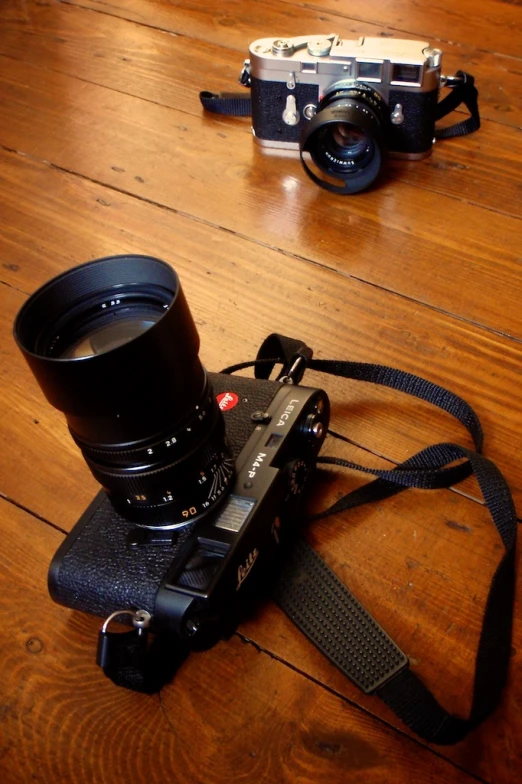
column 62, row 487
column 282, row 292
column 210, row 49
column 175, row 165
column 497, row 27
column 61, row 721
column 104, row 149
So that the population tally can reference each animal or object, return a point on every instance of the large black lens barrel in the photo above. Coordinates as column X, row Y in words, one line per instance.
column 113, row 345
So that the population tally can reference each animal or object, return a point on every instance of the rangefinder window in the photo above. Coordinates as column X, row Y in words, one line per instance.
column 372, row 72
column 274, row 439
column 403, row 73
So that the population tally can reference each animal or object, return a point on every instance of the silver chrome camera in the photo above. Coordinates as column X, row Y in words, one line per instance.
column 345, row 102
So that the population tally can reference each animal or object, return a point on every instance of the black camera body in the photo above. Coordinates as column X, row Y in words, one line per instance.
column 197, row 580
column 202, row 473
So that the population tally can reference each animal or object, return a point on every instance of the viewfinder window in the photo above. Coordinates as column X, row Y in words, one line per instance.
column 274, row 439
column 370, row 71
column 410, row 74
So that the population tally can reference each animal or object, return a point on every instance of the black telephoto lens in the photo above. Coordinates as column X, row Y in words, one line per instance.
column 113, row 346
column 346, row 139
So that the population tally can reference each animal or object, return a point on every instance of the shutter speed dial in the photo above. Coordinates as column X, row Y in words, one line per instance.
column 296, row 473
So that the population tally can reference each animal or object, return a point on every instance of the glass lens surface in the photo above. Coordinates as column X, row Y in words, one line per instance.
column 102, row 326
column 138, row 401
column 349, row 141
column 106, row 336
column 343, row 148
column 402, row 72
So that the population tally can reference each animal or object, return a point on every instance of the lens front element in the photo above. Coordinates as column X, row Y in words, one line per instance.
column 348, row 143
column 103, row 334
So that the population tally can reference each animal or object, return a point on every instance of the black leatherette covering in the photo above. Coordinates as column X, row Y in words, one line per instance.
column 269, row 103
column 415, row 134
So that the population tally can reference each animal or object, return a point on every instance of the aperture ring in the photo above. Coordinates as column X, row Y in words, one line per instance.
column 172, row 501
column 168, row 484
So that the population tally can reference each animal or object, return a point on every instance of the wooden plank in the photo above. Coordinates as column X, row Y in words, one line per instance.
column 88, row 225
column 419, row 599
column 397, row 561
column 253, row 246
column 497, row 28
column 404, row 542
column 171, row 70
column 396, row 558
column 183, row 162
column 63, row 721
column 399, row 536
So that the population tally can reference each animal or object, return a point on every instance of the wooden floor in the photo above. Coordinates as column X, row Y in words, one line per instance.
column 104, row 149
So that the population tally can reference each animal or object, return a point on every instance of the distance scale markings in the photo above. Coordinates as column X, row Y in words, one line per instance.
column 221, row 470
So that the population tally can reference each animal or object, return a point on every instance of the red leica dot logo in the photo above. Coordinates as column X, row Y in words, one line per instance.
column 227, row 400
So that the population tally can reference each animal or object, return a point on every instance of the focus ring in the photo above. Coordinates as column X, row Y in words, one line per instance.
column 185, row 469
column 171, row 445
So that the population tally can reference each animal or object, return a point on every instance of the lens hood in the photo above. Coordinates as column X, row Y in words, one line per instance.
column 124, row 392
column 355, row 175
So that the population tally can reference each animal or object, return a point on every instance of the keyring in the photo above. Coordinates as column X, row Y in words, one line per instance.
column 140, row 618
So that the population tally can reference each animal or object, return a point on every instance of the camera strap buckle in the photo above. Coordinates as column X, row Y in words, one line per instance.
column 245, row 77
column 124, row 651
column 293, row 354
column 295, row 374
column 131, row 659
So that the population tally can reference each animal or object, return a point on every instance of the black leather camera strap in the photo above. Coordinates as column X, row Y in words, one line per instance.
column 326, row 611
column 463, row 90
column 230, row 104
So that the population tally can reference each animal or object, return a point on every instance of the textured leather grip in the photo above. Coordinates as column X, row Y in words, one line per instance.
column 332, row 618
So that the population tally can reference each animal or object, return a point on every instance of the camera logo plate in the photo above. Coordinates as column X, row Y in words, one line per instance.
column 227, row 400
